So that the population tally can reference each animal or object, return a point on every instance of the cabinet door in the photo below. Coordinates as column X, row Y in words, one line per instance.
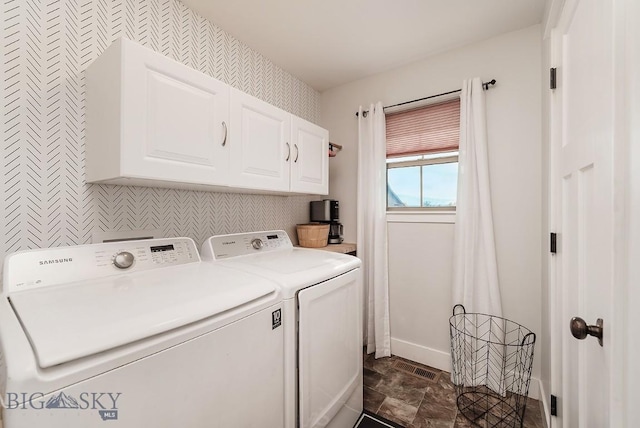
column 259, row 144
column 310, row 158
column 174, row 120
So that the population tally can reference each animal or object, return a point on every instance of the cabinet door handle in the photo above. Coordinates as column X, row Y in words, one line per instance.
column 224, row 140
column 297, row 153
column 288, row 152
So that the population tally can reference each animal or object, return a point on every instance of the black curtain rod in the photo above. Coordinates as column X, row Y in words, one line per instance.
column 484, row 84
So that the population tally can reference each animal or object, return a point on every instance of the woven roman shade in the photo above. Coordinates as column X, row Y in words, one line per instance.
column 431, row 129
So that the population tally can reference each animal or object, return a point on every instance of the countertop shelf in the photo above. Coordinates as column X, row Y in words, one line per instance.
column 345, row 247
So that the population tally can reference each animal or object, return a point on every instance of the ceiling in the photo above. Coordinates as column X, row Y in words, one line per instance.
column 326, row 43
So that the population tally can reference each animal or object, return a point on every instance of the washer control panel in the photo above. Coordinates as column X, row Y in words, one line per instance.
column 51, row 266
column 240, row 244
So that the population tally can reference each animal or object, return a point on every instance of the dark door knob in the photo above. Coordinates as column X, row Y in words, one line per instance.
column 580, row 329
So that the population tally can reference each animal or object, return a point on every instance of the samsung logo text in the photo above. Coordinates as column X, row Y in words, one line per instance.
column 54, row 261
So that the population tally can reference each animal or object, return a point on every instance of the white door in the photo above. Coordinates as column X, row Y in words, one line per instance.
column 585, row 191
column 310, row 163
column 174, row 120
column 330, row 350
column 260, row 144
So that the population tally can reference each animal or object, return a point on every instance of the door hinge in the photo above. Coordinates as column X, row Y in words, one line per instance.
column 554, row 405
column 552, row 78
column 553, row 240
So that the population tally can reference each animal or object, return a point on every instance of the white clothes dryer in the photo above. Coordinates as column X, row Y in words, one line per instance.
column 139, row 333
column 322, row 322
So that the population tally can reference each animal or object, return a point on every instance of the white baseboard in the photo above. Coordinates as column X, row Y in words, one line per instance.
column 421, row 354
column 544, row 403
column 442, row 361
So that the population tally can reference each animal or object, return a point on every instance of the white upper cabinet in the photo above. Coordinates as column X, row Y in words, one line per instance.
column 152, row 121
column 310, row 157
column 272, row 149
column 260, row 144
column 152, row 118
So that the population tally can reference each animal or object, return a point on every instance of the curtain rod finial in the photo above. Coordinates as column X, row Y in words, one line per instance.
column 486, row 84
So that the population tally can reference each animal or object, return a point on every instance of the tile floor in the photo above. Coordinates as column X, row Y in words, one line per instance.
column 416, row 402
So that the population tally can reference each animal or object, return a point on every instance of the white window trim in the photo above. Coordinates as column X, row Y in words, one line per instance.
column 448, row 217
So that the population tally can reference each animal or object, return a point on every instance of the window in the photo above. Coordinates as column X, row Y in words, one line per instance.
column 426, row 181
column 422, row 157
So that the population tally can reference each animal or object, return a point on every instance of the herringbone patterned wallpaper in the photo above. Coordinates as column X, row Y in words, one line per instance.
column 46, row 46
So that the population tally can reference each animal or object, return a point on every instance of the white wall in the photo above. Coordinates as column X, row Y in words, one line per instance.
column 46, row 201
column 420, row 254
column 420, row 277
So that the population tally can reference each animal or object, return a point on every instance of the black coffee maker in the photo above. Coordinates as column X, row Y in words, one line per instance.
column 328, row 211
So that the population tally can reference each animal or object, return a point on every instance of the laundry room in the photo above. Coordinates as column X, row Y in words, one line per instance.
column 319, row 214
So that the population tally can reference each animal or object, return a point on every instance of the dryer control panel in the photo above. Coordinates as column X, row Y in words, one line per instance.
column 240, row 244
column 50, row 266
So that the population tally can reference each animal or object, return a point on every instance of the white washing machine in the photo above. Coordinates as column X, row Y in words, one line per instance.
column 322, row 322
column 135, row 334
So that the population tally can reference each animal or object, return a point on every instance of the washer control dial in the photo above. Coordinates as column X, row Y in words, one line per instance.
column 123, row 260
column 257, row 243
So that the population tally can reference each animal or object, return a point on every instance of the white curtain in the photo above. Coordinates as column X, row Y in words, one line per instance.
column 475, row 275
column 475, row 269
column 372, row 227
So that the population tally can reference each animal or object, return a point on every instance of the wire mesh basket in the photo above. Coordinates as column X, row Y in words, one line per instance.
column 491, row 361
